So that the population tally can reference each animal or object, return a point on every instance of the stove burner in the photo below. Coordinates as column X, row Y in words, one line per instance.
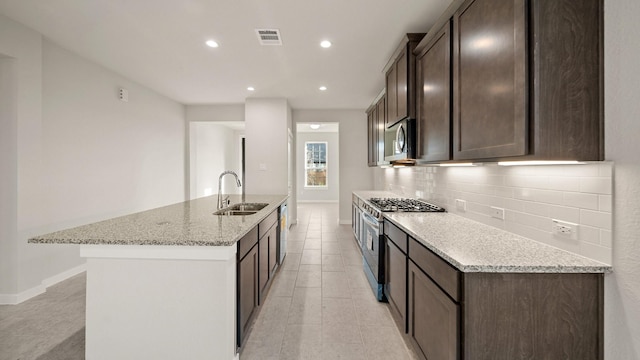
column 403, row 205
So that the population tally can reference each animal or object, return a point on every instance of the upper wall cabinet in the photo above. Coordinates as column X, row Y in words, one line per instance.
column 376, row 115
column 434, row 98
column 526, row 81
column 490, row 79
column 400, row 81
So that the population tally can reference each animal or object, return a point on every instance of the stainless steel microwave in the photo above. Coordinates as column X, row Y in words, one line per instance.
column 400, row 141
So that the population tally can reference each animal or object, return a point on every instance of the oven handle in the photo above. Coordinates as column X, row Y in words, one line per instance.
column 371, row 221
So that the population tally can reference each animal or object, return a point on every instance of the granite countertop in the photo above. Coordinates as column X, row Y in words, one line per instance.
column 471, row 246
column 190, row 223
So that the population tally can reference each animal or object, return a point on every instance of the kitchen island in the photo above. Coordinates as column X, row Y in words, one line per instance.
column 161, row 284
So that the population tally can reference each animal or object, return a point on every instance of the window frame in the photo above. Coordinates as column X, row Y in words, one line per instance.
column 326, row 166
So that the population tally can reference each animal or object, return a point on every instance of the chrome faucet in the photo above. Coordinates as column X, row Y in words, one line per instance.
column 220, row 187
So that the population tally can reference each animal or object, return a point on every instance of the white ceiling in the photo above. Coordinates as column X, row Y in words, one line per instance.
column 160, row 44
column 324, row 127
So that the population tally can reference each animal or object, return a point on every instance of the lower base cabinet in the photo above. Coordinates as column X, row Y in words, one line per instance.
column 247, row 292
column 453, row 315
column 434, row 318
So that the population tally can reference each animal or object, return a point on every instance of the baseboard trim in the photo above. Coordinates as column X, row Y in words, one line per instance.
column 344, row 222
column 14, row 299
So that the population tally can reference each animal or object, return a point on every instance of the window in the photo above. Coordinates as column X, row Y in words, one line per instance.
column 315, row 174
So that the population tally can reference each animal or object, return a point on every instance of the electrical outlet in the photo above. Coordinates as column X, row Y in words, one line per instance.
column 497, row 213
column 565, row 229
column 461, row 205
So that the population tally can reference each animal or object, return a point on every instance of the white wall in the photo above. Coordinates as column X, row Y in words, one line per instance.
column 354, row 172
column 531, row 195
column 9, row 178
column 266, row 122
column 217, row 112
column 622, row 120
column 213, row 149
column 81, row 154
column 331, row 192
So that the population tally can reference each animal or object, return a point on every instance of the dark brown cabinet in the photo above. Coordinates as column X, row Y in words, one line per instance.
column 375, row 132
column 400, row 81
column 247, row 283
column 433, row 317
column 490, row 79
column 396, row 272
column 434, row 98
column 267, row 252
column 381, row 111
column 487, row 316
column 372, row 136
column 526, row 82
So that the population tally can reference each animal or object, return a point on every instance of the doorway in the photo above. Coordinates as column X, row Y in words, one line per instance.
column 317, row 162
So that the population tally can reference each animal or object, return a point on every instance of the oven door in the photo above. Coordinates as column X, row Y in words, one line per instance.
column 373, row 253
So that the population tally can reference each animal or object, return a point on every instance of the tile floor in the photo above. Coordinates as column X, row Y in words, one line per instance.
column 319, row 306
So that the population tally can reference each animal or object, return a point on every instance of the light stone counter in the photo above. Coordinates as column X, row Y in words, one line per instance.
column 190, row 223
column 474, row 247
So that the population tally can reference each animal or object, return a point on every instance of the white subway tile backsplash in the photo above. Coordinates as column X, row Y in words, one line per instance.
column 596, row 252
column 595, row 185
column 563, row 183
column 606, row 239
column 564, row 213
column 537, row 208
column 595, row 218
column 605, row 203
column 581, row 200
column 530, row 195
column 589, row 234
column 544, row 196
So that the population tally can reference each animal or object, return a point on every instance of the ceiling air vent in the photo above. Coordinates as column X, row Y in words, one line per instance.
column 269, row 36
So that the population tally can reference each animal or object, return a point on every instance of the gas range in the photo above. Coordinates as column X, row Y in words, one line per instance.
column 376, row 206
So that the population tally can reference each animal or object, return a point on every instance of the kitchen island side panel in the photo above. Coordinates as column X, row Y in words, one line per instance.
column 160, row 308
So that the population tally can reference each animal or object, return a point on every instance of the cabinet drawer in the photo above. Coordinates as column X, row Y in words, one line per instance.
column 266, row 224
column 246, row 243
column 396, row 235
column 445, row 275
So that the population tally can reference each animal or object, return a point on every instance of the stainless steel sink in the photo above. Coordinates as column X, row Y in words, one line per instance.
column 241, row 209
column 248, row 206
column 228, row 212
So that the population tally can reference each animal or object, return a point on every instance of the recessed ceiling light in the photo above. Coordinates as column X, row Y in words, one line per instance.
column 212, row 43
column 314, row 126
column 323, row 88
column 325, row 44
column 251, row 88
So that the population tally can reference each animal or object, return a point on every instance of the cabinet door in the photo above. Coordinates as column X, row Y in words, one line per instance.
column 382, row 116
column 433, row 318
column 392, row 98
column 434, row 98
column 263, row 275
column 490, row 79
column 396, row 275
column 247, row 291
column 371, row 137
column 273, row 250
column 402, row 90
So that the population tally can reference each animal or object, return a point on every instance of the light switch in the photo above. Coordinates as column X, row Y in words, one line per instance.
column 263, row 167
